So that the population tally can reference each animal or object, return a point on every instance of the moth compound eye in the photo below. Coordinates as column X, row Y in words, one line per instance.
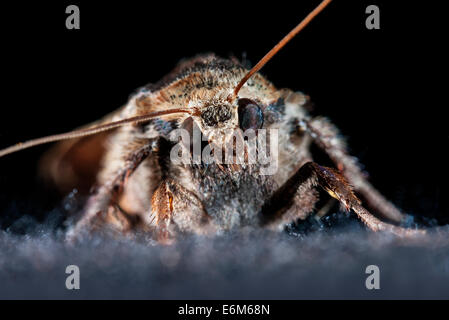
column 250, row 115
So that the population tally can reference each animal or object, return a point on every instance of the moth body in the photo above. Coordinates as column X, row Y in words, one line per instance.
column 141, row 185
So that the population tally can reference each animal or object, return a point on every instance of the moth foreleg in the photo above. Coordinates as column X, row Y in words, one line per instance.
column 311, row 175
column 176, row 209
column 326, row 136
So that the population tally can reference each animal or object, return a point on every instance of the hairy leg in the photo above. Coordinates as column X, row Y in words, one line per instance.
column 326, row 135
column 102, row 207
column 176, row 209
column 311, row 175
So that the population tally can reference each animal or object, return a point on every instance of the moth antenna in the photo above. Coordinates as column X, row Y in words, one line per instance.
column 89, row 131
column 143, row 118
column 281, row 44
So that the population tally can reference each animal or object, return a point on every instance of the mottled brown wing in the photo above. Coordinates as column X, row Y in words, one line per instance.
column 75, row 163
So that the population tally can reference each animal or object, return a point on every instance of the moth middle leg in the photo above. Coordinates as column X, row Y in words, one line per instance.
column 311, row 175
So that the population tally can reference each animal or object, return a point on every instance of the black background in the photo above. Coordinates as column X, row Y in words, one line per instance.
column 385, row 89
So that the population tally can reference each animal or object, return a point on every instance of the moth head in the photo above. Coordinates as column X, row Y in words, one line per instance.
column 218, row 120
column 215, row 120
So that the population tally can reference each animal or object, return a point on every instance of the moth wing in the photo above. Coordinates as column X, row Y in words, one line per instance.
column 75, row 163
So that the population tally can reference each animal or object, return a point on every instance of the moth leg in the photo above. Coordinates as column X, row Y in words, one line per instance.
column 311, row 175
column 175, row 209
column 326, row 136
column 115, row 218
column 325, row 209
column 102, row 207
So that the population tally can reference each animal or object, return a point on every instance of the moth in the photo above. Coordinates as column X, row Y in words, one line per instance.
column 128, row 157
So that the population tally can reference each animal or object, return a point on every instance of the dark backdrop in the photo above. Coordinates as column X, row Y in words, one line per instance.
column 384, row 88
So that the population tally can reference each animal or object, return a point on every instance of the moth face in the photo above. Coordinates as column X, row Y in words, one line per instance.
column 218, row 120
